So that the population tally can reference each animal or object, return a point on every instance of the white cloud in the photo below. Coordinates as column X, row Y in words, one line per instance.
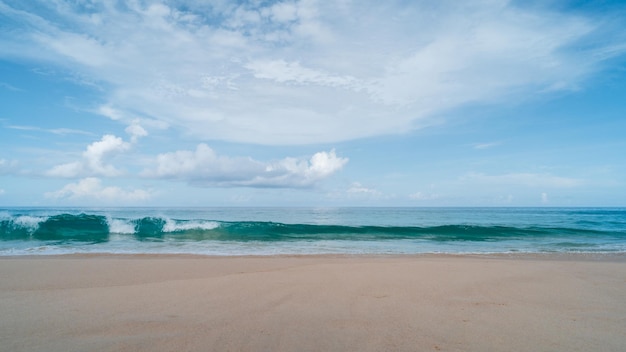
column 91, row 188
column 59, row 131
column 292, row 72
column 10, row 87
column 134, row 122
column 358, row 188
column 284, row 11
column 300, row 72
column 67, row 170
column 97, row 151
column 544, row 198
column 135, row 131
column 204, row 167
column 94, row 159
column 524, row 179
column 423, row 196
column 358, row 193
column 485, row 145
column 110, row 112
column 1, row 191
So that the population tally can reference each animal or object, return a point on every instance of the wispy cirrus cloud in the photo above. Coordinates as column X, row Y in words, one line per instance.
column 524, row 179
column 298, row 72
column 485, row 145
column 10, row 87
column 8, row 167
column 59, row 131
column 293, row 73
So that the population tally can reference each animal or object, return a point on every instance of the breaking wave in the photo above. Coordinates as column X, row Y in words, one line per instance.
column 99, row 228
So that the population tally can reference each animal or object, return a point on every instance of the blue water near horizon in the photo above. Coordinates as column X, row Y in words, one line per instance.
column 280, row 231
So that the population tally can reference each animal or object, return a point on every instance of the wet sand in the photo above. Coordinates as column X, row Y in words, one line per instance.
column 313, row 303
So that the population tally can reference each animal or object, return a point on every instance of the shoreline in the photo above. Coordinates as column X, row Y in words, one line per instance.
column 556, row 256
column 428, row 302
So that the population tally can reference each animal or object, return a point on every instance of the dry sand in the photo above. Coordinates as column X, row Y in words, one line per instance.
column 417, row 303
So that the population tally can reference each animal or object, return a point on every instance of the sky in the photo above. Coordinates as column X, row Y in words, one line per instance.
column 312, row 103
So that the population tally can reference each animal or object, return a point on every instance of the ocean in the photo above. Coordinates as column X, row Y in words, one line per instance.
column 294, row 231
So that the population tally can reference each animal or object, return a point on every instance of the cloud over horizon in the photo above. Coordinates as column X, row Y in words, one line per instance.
column 204, row 167
column 91, row 188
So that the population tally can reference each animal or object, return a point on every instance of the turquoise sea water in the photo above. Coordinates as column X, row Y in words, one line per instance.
column 270, row 231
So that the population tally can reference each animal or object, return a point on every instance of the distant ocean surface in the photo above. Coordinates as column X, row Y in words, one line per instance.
column 275, row 231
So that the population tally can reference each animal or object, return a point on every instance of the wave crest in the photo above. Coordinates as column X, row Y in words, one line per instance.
column 99, row 228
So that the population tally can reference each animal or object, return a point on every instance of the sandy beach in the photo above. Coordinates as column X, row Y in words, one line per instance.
column 313, row 303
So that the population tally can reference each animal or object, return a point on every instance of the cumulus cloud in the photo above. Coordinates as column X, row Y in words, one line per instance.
column 94, row 159
column 204, row 167
column 92, row 188
column 524, row 179
column 322, row 71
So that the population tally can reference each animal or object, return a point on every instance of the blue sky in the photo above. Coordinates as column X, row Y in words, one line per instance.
column 312, row 103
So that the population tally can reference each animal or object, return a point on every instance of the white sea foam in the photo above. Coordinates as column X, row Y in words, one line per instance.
column 29, row 222
column 120, row 226
column 174, row 225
